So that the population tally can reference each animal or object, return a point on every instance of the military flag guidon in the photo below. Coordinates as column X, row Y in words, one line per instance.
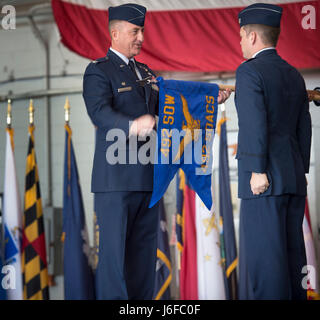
column 187, row 120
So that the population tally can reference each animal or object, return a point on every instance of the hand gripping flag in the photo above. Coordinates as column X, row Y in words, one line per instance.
column 187, row 120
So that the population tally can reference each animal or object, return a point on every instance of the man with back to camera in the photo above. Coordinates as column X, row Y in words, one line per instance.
column 113, row 97
column 273, row 157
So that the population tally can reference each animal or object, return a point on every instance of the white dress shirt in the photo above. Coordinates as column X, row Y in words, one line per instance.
column 261, row 51
column 126, row 60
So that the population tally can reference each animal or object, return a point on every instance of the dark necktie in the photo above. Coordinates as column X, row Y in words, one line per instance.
column 133, row 69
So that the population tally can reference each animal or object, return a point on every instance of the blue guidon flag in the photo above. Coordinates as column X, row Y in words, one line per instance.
column 187, row 121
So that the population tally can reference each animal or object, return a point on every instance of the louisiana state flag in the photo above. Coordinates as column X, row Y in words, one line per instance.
column 187, row 120
column 78, row 275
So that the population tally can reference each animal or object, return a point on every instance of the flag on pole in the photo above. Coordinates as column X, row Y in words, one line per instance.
column 187, row 120
column 96, row 236
column 180, row 185
column 201, row 275
column 312, row 291
column 3, row 294
column 210, row 266
column 226, row 215
column 189, row 270
column 78, row 275
column 34, row 258
column 163, row 267
column 12, row 220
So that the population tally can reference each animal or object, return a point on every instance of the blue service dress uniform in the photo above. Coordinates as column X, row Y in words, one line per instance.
column 128, row 228
column 274, row 138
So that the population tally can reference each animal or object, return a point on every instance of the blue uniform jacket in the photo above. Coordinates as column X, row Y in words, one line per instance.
column 274, row 125
column 113, row 98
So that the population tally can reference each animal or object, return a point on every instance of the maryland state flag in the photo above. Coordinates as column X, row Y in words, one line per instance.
column 187, row 120
column 34, row 260
column 78, row 275
column 163, row 267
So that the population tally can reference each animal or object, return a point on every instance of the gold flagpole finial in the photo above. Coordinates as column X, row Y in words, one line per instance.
column 9, row 114
column 67, row 111
column 31, row 112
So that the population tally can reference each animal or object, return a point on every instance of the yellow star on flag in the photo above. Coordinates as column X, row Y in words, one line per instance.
column 207, row 257
column 210, row 223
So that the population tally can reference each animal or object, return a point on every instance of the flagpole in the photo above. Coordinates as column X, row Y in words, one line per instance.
column 312, row 94
column 67, row 111
column 223, row 110
column 9, row 123
column 31, row 113
column 9, row 114
column 69, row 132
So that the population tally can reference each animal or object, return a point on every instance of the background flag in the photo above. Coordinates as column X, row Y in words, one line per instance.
column 201, row 275
column 187, row 120
column 82, row 25
column 226, row 216
column 313, row 292
column 189, row 270
column 12, row 219
column 78, row 275
column 180, row 184
column 3, row 295
column 164, row 268
column 34, row 259
column 96, row 236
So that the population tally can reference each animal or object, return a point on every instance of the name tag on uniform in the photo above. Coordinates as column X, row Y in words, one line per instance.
column 124, row 89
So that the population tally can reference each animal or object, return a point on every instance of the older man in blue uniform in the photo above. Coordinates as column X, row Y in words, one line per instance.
column 115, row 99
column 273, row 157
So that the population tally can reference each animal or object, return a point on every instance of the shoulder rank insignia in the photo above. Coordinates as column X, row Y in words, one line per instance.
column 104, row 59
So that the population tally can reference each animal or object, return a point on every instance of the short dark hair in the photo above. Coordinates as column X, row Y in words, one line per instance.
column 112, row 23
column 269, row 35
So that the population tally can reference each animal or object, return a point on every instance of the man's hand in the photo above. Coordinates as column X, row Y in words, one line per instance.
column 223, row 95
column 259, row 183
column 142, row 126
